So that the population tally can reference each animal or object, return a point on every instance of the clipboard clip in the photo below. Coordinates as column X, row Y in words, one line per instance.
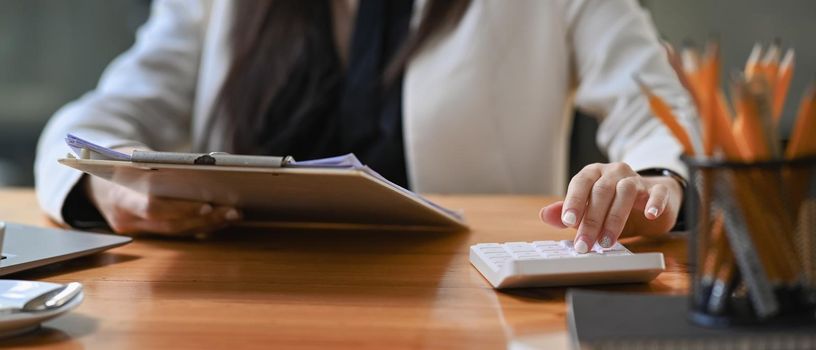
column 85, row 149
column 212, row 159
column 226, row 159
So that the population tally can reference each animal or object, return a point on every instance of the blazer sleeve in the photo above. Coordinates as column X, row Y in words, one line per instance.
column 612, row 40
column 144, row 99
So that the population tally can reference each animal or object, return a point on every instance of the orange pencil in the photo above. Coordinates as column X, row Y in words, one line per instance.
column 761, row 93
column 722, row 123
column 663, row 112
column 799, row 179
column 803, row 140
column 716, row 113
column 676, row 63
column 744, row 147
column 750, row 109
column 780, row 92
column 713, row 258
column 692, row 64
column 753, row 60
column 770, row 64
column 709, row 81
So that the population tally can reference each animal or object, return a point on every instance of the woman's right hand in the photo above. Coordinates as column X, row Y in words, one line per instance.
column 130, row 212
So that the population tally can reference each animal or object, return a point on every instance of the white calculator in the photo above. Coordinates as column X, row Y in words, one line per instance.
column 555, row 263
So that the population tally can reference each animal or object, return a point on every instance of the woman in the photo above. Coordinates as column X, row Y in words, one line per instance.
column 442, row 96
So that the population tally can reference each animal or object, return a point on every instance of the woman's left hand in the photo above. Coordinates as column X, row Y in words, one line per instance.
column 606, row 201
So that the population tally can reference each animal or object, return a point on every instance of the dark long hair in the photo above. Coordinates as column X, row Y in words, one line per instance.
column 268, row 39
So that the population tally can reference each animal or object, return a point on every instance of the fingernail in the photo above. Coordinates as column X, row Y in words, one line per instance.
column 581, row 246
column 606, row 241
column 205, row 209
column 568, row 218
column 652, row 211
column 232, row 215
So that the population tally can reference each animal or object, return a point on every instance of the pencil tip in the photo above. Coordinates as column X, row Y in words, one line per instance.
column 713, row 48
column 667, row 46
column 788, row 58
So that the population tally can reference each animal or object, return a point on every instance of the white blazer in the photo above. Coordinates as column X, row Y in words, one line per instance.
column 487, row 106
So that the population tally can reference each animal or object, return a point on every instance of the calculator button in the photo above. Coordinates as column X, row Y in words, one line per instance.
column 586, row 255
column 524, row 247
column 492, row 251
column 550, row 248
column 526, row 254
column 616, row 252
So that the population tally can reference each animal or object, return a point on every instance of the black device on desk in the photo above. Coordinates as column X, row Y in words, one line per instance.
column 608, row 320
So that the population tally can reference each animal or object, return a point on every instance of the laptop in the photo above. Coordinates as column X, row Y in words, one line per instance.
column 25, row 247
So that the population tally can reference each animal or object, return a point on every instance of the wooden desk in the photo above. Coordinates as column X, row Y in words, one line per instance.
column 306, row 289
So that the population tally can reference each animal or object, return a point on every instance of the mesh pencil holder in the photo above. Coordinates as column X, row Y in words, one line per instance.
column 752, row 250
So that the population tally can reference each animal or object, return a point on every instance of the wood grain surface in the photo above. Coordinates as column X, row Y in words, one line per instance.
column 316, row 289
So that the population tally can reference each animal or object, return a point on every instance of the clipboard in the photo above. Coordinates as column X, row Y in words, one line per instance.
column 333, row 193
